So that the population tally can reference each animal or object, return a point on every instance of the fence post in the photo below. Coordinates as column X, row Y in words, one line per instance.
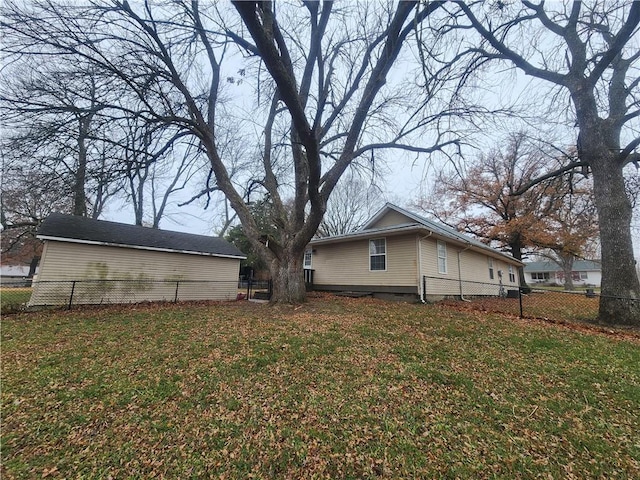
column 175, row 299
column 73, row 287
column 520, row 300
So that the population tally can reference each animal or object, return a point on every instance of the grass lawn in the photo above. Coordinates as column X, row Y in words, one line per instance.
column 336, row 388
column 13, row 299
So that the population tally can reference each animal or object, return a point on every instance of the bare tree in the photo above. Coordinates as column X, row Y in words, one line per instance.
column 28, row 197
column 590, row 53
column 322, row 86
column 352, row 203
column 51, row 118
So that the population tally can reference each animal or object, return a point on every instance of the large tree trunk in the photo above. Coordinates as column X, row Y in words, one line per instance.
column 620, row 296
column 516, row 252
column 566, row 262
column 80, row 180
column 287, row 275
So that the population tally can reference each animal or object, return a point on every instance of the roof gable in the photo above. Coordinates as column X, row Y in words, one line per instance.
column 388, row 220
column 435, row 227
column 388, row 217
column 71, row 228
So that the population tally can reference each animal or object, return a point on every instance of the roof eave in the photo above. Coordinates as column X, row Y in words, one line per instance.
column 417, row 228
column 138, row 247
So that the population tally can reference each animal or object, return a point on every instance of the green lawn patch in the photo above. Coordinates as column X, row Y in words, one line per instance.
column 335, row 388
column 14, row 299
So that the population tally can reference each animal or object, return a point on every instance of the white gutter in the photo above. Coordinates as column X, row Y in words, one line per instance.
column 460, row 272
column 420, row 283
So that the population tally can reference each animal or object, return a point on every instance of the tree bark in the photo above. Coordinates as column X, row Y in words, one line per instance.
column 287, row 275
column 516, row 252
column 566, row 262
column 80, row 180
column 620, row 295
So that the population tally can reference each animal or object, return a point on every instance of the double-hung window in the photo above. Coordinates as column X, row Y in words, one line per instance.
column 378, row 254
column 442, row 257
column 512, row 274
column 490, row 262
column 308, row 254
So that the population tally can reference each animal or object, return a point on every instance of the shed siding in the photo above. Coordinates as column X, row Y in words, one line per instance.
column 348, row 263
column 63, row 261
column 391, row 219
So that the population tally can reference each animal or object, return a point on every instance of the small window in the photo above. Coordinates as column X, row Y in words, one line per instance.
column 491, row 273
column 442, row 257
column 378, row 254
column 540, row 276
column 512, row 274
column 308, row 254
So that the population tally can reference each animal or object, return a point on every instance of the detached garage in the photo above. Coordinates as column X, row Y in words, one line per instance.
column 92, row 262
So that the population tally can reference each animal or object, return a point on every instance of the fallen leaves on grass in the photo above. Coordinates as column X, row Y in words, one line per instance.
column 334, row 388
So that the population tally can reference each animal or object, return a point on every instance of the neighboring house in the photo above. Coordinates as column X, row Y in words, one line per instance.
column 400, row 253
column 585, row 272
column 15, row 275
column 117, row 263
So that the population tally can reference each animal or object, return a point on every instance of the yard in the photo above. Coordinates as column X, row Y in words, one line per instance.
column 335, row 388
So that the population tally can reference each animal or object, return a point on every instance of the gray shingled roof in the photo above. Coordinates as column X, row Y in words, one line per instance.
column 435, row 227
column 420, row 223
column 86, row 230
column 549, row 266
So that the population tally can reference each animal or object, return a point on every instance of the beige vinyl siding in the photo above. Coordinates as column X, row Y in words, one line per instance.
column 202, row 277
column 447, row 283
column 347, row 263
column 473, row 271
column 390, row 219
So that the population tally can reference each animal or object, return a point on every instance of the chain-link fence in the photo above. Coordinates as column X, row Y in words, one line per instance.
column 97, row 292
column 549, row 303
column 66, row 293
column 256, row 289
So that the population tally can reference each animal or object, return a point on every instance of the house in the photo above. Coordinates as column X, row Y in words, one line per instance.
column 584, row 272
column 14, row 275
column 106, row 262
column 400, row 254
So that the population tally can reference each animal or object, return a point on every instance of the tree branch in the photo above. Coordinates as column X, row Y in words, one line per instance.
column 555, row 173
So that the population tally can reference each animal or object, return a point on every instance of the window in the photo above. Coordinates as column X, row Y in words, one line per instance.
column 540, row 276
column 378, row 254
column 512, row 274
column 307, row 258
column 442, row 257
column 578, row 276
column 490, row 261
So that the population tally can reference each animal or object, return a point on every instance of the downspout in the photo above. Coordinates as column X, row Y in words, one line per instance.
column 420, row 283
column 460, row 272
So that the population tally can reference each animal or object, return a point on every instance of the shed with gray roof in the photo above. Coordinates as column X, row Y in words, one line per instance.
column 109, row 262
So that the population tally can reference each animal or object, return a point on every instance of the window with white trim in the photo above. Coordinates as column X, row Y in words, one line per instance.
column 308, row 254
column 442, row 257
column 378, row 254
column 539, row 276
column 512, row 274
column 490, row 263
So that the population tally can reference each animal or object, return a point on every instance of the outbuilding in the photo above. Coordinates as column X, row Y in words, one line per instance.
column 94, row 261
